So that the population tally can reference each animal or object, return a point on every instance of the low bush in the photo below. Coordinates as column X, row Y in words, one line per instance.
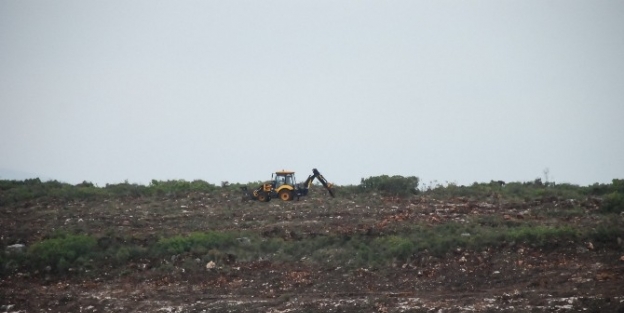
column 616, row 185
column 394, row 247
column 177, row 187
column 391, row 185
column 62, row 252
column 200, row 241
column 125, row 189
column 607, row 233
column 540, row 235
column 613, row 203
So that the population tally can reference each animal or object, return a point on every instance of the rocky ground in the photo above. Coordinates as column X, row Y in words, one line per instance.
column 569, row 276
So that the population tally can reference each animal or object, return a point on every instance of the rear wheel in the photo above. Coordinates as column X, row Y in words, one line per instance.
column 286, row 195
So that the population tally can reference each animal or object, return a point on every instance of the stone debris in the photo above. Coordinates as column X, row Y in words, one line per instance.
column 18, row 247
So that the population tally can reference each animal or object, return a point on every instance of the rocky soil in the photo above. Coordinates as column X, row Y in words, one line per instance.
column 572, row 276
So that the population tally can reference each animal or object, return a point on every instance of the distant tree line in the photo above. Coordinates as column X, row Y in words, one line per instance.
column 611, row 195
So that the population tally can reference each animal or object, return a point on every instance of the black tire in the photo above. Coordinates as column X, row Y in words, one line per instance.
column 286, row 195
column 263, row 197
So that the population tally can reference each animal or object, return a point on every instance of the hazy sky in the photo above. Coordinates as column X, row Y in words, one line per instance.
column 457, row 91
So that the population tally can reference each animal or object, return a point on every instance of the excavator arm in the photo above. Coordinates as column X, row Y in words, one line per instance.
column 317, row 175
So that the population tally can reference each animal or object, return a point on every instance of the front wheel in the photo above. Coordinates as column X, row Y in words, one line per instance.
column 286, row 195
column 263, row 197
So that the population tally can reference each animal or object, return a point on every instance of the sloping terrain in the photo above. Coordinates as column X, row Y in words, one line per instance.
column 359, row 252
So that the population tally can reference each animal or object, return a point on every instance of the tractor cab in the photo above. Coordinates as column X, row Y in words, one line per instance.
column 283, row 177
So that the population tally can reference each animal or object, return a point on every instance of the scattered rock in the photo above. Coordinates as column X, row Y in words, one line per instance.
column 18, row 247
column 244, row 240
column 605, row 275
column 210, row 265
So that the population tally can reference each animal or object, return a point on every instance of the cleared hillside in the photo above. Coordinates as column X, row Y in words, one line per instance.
column 195, row 247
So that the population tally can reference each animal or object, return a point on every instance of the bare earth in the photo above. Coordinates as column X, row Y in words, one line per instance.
column 512, row 277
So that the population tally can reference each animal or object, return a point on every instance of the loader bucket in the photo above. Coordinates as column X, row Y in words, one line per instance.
column 247, row 195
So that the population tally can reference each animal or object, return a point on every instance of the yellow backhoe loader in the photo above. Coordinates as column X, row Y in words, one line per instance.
column 284, row 186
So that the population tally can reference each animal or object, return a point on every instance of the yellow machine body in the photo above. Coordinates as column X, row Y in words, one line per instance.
column 284, row 185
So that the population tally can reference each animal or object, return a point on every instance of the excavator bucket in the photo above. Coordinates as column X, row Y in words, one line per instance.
column 331, row 192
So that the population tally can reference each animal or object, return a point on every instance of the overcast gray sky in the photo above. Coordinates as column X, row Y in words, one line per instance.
column 457, row 91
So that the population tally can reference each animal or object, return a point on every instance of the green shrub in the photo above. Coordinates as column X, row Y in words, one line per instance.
column 197, row 241
column 391, row 185
column 62, row 252
column 400, row 247
column 125, row 190
column 177, row 187
column 347, row 190
column 613, row 203
column 606, row 233
column 540, row 235
column 394, row 247
column 617, row 185
column 512, row 190
column 562, row 213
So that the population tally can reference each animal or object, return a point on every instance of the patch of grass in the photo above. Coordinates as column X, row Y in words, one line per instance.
column 562, row 213
column 540, row 235
column 206, row 241
column 394, row 246
column 444, row 238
